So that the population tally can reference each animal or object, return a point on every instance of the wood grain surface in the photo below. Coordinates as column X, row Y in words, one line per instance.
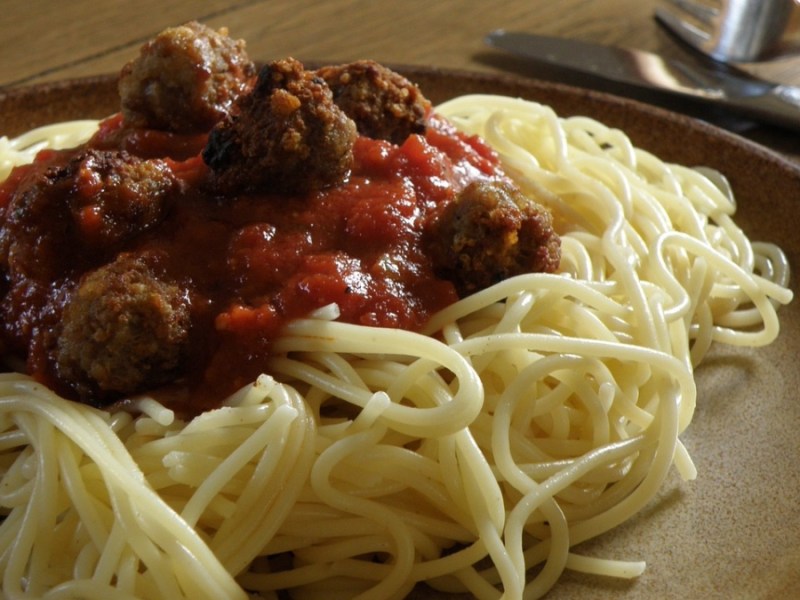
column 45, row 41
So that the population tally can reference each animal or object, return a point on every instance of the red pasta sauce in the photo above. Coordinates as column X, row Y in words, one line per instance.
column 252, row 263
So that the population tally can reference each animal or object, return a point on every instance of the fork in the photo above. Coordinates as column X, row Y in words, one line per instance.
column 734, row 30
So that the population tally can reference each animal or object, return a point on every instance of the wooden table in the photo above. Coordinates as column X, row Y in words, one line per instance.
column 46, row 41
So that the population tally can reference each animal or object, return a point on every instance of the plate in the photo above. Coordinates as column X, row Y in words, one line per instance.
column 735, row 531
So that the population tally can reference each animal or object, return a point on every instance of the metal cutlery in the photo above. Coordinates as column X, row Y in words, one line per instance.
column 734, row 30
column 709, row 82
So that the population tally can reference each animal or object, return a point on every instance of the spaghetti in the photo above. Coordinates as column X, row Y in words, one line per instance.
column 526, row 418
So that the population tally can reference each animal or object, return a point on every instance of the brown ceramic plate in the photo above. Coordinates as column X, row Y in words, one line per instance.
column 735, row 531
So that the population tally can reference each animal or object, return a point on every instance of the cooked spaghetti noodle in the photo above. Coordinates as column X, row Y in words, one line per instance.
column 526, row 418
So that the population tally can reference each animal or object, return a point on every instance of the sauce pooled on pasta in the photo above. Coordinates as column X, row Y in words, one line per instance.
column 166, row 257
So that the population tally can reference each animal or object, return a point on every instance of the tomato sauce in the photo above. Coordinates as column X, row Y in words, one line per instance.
column 252, row 263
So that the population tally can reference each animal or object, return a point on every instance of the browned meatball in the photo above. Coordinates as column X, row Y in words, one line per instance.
column 123, row 331
column 185, row 79
column 384, row 104
column 288, row 135
column 490, row 232
column 119, row 196
column 83, row 207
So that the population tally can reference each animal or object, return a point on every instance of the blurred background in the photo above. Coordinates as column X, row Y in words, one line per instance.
column 46, row 41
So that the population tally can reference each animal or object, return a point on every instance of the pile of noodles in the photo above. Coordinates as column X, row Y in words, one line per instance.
column 527, row 418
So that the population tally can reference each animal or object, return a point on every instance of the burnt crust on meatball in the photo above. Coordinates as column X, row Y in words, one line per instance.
column 384, row 104
column 185, row 80
column 123, row 331
column 287, row 135
column 491, row 231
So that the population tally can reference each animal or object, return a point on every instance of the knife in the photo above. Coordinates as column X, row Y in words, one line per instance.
column 714, row 83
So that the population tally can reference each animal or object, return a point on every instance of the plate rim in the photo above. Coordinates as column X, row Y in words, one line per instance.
column 99, row 84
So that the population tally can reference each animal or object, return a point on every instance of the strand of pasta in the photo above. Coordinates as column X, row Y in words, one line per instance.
column 64, row 415
column 316, row 335
column 22, row 149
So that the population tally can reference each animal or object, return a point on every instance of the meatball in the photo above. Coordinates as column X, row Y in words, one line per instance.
column 119, row 196
column 123, row 331
column 82, row 208
column 384, row 104
column 288, row 135
column 185, row 80
column 488, row 233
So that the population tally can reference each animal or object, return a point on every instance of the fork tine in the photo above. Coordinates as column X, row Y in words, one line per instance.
column 685, row 30
column 702, row 12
